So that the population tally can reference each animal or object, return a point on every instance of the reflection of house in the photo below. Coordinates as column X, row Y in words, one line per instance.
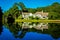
column 42, row 15
column 41, row 26
column 25, row 25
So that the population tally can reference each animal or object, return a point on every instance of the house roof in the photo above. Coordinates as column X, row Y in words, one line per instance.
column 39, row 12
column 45, row 14
column 42, row 13
column 25, row 13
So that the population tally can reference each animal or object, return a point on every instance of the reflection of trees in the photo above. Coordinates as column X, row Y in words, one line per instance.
column 14, row 28
column 10, row 19
column 1, row 29
column 1, row 14
column 52, row 30
column 23, row 32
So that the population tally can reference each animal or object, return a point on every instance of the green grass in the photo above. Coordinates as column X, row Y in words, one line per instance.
column 43, row 21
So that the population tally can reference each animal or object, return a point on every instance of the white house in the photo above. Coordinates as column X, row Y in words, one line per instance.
column 41, row 15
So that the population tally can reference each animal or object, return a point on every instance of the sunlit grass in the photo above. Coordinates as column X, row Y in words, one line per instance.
column 43, row 21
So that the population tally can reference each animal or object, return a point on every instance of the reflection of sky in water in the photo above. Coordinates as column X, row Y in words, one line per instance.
column 37, row 36
column 6, row 35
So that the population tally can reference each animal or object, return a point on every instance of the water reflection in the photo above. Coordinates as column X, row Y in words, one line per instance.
column 19, row 30
column 1, row 28
column 36, row 25
column 54, row 29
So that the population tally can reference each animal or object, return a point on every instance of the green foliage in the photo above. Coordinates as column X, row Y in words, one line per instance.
column 54, row 29
column 37, row 18
column 31, row 10
column 22, row 5
column 53, row 10
column 31, row 17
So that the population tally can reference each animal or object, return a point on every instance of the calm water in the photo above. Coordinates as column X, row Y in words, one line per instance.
column 30, row 31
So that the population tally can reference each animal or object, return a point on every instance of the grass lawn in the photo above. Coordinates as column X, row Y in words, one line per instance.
column 43, row 21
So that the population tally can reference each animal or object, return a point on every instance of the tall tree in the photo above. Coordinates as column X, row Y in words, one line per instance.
column 22, row 6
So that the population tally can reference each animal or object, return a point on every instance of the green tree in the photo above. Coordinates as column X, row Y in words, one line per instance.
column 31, row 10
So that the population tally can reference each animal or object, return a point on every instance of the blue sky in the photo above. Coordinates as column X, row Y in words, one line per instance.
column 6, row 4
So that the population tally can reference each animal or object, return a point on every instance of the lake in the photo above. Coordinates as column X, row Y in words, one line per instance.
column 30, row 31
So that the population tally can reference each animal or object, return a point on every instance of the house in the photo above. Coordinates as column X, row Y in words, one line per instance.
column 25, row 14
column 41, row 15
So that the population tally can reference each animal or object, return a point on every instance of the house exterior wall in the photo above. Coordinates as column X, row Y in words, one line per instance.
column 41, row 15
column 41, row 26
